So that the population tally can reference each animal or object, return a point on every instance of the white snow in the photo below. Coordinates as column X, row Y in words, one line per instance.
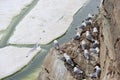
column 48, row 20
column 9, row 9
column 13, row 59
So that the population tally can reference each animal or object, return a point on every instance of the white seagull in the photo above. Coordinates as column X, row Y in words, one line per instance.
column 89, row 22
column 95, row 44
column 83, row 45
column 56, row 44
column 77, row 36
column 89, row 17
column 86, row 54
column 97, row 49
column 94, row 50
column 77, row 70
column 97, row 72
column 83, row 25
column 68, row 59
column 89, row 36
column 95, row 30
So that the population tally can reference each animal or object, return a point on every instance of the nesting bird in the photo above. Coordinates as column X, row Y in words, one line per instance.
column 77, row 70
column 56, row 44
column 89, row 36
column 68, row 59
column 97, row 72
column 83, row 45
column 86, row 54
column 77, row 36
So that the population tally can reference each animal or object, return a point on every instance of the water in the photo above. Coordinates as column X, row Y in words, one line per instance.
column 30, row 72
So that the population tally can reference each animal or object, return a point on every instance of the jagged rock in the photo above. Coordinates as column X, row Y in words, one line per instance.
column 110, row 40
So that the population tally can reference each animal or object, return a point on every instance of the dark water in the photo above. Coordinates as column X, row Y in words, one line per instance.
column 35, row 64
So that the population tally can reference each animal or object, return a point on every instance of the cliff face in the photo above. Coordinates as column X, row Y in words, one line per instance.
column 109, row 22
column 110, row 40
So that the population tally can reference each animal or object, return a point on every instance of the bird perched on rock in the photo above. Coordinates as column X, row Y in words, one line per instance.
column 89, row 36
column 97, row 72
column 77, row 36
column 97, row 49
column 83, row 45
column 83, row 25
column 95, row 44
column 94, row 50
column 95, row 31
column 89, row 22
column 80, row 30
column 56, row 44
column 86, row 54
column 68, row 59
column 77, row 70
column 90, row 17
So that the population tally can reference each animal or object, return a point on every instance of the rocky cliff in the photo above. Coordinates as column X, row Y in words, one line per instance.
column 110, row 40
column 109, row 23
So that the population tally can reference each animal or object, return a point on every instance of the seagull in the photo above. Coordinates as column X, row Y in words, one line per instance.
column 97, row 49
column 95, row 44
column 77, row 36
column 77, row 70
column 68, row 59
column 95, row 30
column 89, row 17
column 80, row 30
column 56, row 44
column 83, row 44
column 89, row 22
column 88, row 36
column 97, row 72
column 86, row 54
column 83, row 25
column 94, row 50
